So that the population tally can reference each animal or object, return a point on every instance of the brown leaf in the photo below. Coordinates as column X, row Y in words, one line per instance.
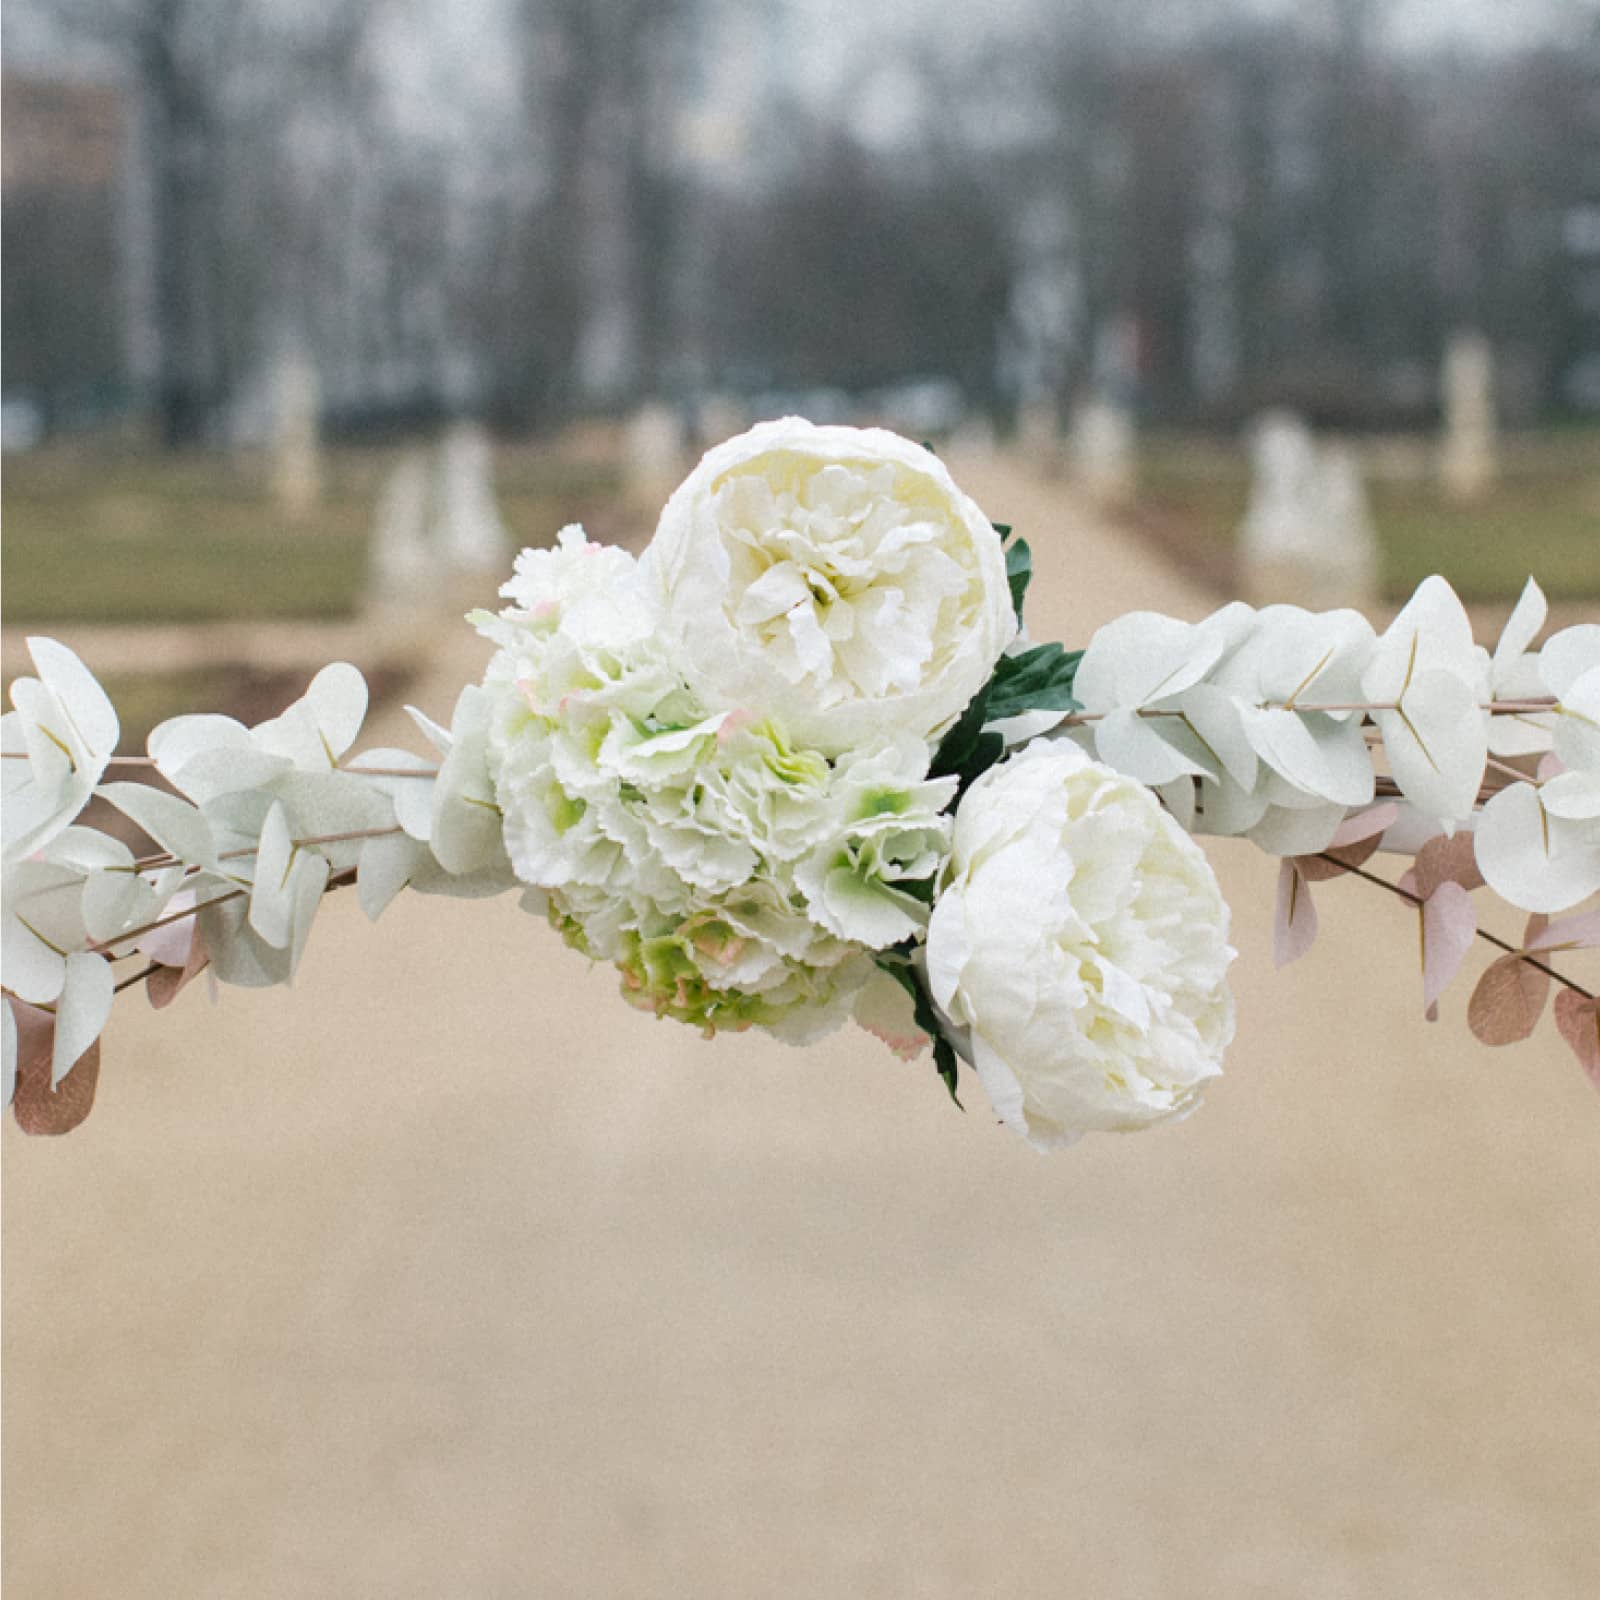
column 1443, row 860
column 1295, row 926
column 38, row 1108
column 165, row 984
column 1336, row 860
column 1505, row 1006
column 1578, row 1022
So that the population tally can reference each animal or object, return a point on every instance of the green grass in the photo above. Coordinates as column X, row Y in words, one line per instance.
column 1542, row 517
column 143, row 538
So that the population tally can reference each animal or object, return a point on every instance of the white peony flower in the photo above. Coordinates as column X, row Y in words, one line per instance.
column 1082, row 941
column 833, row 579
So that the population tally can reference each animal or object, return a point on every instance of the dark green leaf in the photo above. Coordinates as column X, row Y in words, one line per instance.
column 1019, row 571
column 1035, row 680
column 962, row 739
column 1003, row 529
column 927, row 1018
column 944, row 1062
column 988, row 750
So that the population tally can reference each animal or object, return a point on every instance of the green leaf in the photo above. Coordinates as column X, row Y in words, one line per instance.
column 1019, row 572
column 1003, row 529
column 1040, row 679
column 962, row 739
column 945, row 1060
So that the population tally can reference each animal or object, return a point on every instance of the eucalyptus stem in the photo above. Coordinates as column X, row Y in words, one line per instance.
column 1081, row 719
column 339, row 880
column 1482, row 933
column 155, row 863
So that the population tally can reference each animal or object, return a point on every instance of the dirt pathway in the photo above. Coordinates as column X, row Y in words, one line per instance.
column 448, row 1275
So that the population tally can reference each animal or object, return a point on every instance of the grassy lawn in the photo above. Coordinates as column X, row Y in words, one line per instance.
column 141, row 538
column 1542, row 517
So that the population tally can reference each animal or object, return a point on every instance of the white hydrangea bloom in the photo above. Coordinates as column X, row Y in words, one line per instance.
column 1082, row 940
column 703, row 853
column 832, row 578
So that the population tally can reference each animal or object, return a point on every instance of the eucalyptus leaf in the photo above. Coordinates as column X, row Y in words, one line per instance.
column 174, row 824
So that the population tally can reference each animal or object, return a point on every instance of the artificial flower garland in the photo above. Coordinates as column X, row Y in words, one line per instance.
column 800, row 763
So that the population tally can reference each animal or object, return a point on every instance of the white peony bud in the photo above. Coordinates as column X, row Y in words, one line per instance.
column 1082, row 941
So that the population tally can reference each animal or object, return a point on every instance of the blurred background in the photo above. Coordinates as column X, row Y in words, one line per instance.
column 315, row 310
column 257, row 248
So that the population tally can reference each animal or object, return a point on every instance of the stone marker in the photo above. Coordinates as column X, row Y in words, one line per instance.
column 718, row 417
column 1039, row 434
column 653, row 452
column 1468, row 453
column 296, row 436
column 401, row 565
column 1307, row 537
column 1102, row 450
column 973, row 437
column 468, row 533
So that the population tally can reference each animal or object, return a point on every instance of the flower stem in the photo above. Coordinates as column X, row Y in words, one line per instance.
column 1482, row 933
column 1080, row 719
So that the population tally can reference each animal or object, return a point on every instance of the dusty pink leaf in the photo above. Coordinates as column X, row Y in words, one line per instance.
column 38, row 1108
column 165, row 984
column 1578, row 1022
column 1332, row 863
column 1449, row 925
column 1407, row 881
column 1443, row 860
column 170, row 945
column 1506, row 1004
column 1357, row 838
column 1374, row 822
column 1581, row 932
column 1295, row 927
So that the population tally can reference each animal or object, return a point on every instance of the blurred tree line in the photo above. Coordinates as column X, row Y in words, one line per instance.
column 600, row 200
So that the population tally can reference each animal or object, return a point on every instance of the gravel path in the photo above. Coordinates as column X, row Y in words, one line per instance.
column 448, row 1275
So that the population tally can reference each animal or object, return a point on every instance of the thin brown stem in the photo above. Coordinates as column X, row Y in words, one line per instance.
column 1482, row 933
column 154, row 863
column 111, row 761
column 1080, row 719
column 391, row 772
column 340, row 880
column 100, row 946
